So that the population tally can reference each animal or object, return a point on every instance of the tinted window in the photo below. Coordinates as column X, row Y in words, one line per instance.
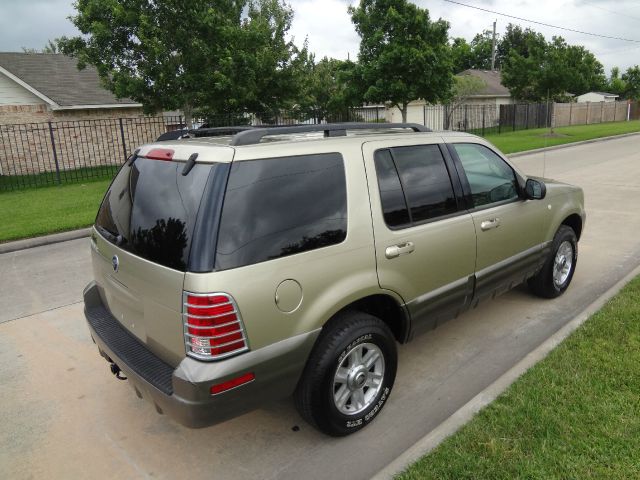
column 394, row 206
column 491, row 180
column 425, row 181
column 281, row 206
column 150, row 210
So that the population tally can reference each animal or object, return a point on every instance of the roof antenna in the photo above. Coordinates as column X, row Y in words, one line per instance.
column 546, row 137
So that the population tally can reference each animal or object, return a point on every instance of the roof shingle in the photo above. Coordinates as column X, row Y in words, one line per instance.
column 492, row 80
column 57, row 77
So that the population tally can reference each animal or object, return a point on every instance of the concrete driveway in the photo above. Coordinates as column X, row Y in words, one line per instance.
column 63, row 415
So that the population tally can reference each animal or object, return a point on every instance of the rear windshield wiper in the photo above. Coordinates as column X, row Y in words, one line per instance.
column 189, row 165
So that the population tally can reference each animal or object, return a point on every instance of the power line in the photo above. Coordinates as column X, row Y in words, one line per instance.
column 620, row 50
column 626, row 15
column 544, row 24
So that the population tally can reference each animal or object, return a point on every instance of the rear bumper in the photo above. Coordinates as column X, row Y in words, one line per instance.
column 183, row 392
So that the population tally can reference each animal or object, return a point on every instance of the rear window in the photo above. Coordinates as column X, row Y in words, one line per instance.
column 150, row 210
column 414, row 185
column 281, row 206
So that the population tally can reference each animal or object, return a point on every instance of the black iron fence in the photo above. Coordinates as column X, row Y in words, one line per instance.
column 481, row 119
column 54, row 153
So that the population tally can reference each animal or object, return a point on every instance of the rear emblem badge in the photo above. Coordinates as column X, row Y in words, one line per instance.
column 115, row 262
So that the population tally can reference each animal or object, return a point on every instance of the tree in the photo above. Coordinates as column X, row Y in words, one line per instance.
column 464, row 87
column 482, row 48
column 329, row 89
column 214, row 56
column 524, row 42
column 476, row 55
column 535, row 70
column 632, row 82
column 265, row 68
column 616, row 84
column 52, row 46
column 403, row 55
column 461, row 55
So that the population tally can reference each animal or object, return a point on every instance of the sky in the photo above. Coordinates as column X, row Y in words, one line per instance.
column 329, row 31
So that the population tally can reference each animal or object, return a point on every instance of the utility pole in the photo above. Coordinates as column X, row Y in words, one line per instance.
column 493, row 47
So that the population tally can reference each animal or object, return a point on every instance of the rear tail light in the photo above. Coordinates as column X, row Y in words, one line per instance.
column 213, row 328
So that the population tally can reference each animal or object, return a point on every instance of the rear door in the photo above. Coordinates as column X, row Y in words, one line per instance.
column 425, row 240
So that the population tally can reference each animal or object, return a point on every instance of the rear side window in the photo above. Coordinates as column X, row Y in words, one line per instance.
column 150, row 210
column 281, row 206
column 394, row 205
column 414, row 184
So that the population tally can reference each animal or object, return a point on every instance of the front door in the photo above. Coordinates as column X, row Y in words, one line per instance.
column 425, row 240
column 509, row 228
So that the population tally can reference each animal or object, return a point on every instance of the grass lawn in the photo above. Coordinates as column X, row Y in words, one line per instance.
column 576, row 414
column 521, row 140
column 29, row 213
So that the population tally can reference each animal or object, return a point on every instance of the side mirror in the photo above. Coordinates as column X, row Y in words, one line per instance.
column 535, row 189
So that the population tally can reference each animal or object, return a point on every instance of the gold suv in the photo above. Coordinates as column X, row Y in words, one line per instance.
column 249, row 264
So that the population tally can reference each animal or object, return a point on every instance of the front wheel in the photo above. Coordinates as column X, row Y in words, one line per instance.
column 556, row 274
column 349, row 375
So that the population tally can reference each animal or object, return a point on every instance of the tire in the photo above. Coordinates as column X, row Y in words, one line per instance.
column 556, row 273
column 341, row 402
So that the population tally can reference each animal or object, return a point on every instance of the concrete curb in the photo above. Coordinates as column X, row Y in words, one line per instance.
column 568, row 145
column 465, row 413
column 46, row 240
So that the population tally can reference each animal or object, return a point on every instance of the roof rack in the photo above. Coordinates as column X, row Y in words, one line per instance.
column 202, row 132
column 252, row 136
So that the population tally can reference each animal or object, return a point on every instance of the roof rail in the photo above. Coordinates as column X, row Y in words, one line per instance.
column 252, row 136
column 202, row 132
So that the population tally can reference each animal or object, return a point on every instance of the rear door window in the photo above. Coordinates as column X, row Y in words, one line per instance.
column 414, row 184
column 281, row 206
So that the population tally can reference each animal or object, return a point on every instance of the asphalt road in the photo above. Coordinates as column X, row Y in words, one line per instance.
column 63, row 415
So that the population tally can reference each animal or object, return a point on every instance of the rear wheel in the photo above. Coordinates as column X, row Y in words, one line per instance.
column 556, row 274
column 349, row 375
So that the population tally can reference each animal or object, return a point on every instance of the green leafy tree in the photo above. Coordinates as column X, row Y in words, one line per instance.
column 631, row 79
column 264, row 68
column 616, row 84
column 50, row 47
column 482, row 47
column 329, row 89
column 213, row 56
column 403, row 55
column 464, row 87
column 524, row 42
column 476, row 55
column 536, row 71
column 461, row 55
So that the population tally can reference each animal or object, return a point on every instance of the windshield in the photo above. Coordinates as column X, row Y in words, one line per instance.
column 150, row 210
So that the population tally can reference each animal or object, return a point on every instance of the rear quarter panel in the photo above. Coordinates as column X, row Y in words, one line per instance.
column 330, row 277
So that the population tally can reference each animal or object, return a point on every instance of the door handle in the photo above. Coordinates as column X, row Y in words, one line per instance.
column 400, row 249
column 489, row 224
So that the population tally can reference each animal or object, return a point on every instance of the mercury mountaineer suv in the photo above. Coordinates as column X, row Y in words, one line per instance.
column 255, row 263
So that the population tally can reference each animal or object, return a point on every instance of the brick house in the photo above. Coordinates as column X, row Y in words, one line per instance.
column 41, row 87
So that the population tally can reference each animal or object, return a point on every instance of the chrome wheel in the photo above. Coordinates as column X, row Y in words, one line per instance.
column 358, row 379
column 562, row 263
